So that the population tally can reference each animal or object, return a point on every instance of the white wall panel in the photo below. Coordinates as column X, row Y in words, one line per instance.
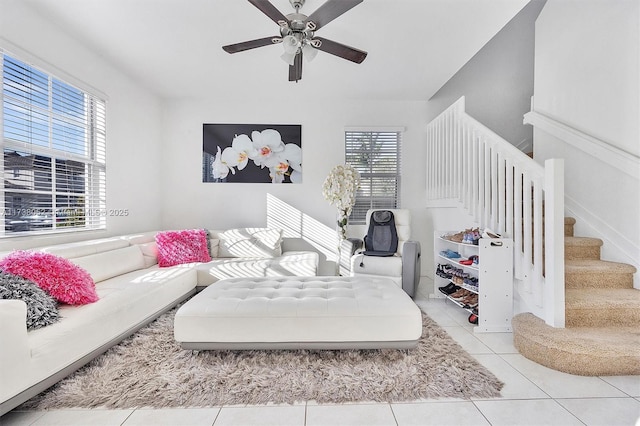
column 587, row 68
column 133, row 121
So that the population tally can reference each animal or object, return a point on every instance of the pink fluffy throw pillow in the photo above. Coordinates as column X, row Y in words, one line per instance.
column 65, row 281
column 177, row 247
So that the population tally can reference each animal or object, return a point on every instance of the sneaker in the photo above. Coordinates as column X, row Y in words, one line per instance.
column 456, row 238
column 460, row 293
column 450, row 254
column 462, row 296
column 488, row 233
column 449, row 289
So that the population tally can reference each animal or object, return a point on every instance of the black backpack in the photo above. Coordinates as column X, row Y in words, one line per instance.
column 382, row 237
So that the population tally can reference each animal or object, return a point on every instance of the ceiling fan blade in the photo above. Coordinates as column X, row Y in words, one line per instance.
column 330, row 11
column 342, row 50
column 270, row 10
column 251, row 44
column 295, row 70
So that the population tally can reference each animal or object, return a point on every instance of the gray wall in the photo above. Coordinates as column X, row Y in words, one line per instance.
column 498, row 81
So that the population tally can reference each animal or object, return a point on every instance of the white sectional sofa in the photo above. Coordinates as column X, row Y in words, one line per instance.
column 133, row 290
column 236, row 255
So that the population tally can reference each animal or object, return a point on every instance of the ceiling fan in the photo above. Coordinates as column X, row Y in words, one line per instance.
column 297, row 34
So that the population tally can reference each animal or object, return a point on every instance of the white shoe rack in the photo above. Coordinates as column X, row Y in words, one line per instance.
column 494, row 272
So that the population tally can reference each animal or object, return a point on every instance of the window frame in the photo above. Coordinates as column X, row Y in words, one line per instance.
column 77, row 162
column 364, row 201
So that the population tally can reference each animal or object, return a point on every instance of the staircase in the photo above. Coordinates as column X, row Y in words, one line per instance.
column 471, row 167
column 602, row 334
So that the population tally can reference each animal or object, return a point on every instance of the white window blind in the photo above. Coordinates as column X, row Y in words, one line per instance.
column 376, row 155
column 54, row 162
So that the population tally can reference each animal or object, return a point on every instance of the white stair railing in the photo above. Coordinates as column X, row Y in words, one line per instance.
column 511, row 194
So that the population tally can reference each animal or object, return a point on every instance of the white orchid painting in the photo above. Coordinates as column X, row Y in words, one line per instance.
column 251, row 153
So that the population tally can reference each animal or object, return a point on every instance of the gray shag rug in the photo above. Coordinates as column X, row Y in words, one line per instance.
column 149, row 369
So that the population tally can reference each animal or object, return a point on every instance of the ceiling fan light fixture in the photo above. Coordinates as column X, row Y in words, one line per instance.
column 297, row 34
column 291, row 44
column 289, row 58
column 309, row 52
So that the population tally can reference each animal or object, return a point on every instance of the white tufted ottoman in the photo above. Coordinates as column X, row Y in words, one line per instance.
column 299, row 312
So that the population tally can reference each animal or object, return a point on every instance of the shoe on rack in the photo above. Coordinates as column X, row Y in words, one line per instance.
column 450, row 254
column 470, row 300
column 470, row 303
column 462, row 296
column 445, row 271
column 448, row 289
column 488, row 233
column 456, row 238
column 472, row 281
column 460, row 293
column 452, row 290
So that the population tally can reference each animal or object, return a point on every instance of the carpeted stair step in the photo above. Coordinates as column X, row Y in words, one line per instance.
column 582, row 248
column 568, row 226
column 605, row 351
column 602, row 313
column 602, row 307
column 597, row 274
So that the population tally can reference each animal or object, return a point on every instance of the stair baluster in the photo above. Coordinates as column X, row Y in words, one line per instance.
column 508, row 192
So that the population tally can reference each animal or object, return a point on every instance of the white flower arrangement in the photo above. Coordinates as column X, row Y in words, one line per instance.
column 339, row 189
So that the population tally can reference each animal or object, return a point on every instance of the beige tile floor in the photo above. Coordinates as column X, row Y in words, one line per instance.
column 532, row 395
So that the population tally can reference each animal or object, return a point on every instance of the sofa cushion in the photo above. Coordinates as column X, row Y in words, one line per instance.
column 85, row 248
column 214, row 247
column 214, row 242
column 108, row 264
column 294, row 263
column 150, row 253
column 42, row 309
column 220, row 269
column 142, row 238
column 250, row 242
column 125, row 301
column 65, row 281
column 185, row 246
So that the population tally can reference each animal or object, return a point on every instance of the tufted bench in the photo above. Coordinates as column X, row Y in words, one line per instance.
column 299, row 312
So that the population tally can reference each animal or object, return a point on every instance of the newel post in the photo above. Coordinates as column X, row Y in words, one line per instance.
column 553, row 295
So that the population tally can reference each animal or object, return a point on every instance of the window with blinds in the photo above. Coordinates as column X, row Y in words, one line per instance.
column 54, row 163
column 376, row 155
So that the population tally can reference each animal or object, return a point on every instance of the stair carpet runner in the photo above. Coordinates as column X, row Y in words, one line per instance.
column 602, row 334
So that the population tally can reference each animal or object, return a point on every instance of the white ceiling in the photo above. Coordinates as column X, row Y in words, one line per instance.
column 173, row 47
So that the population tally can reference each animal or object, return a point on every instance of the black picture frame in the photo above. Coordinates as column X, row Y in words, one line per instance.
column 216, row 138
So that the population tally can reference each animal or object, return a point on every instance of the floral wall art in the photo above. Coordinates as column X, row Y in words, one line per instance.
column 252, row 153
